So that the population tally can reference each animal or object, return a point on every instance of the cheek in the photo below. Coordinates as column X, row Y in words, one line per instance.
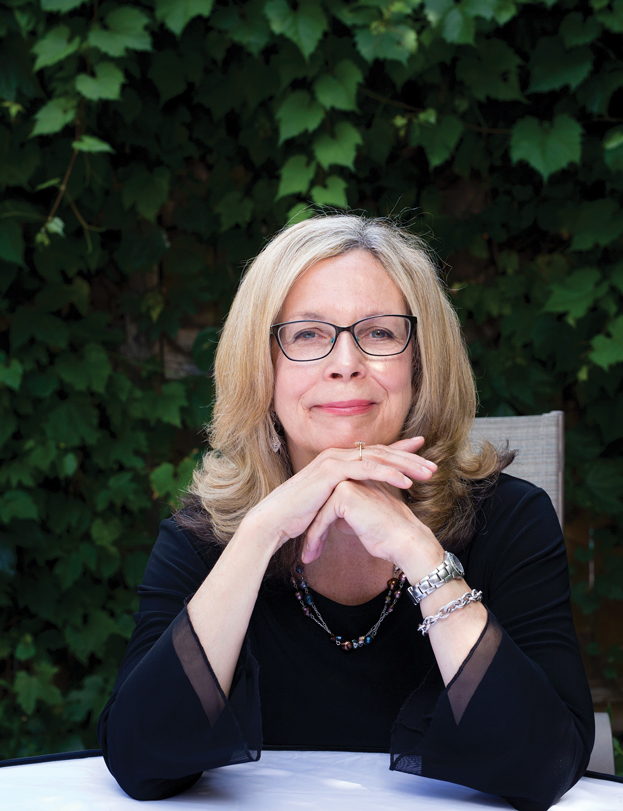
column 290, row 384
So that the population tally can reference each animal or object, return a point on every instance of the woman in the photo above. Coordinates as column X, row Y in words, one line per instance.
column 341, row 472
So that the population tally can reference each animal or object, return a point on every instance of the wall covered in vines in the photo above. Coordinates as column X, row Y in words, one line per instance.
column 148, row 149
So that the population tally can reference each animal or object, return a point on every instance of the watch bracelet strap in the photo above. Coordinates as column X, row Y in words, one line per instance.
column 431, row 582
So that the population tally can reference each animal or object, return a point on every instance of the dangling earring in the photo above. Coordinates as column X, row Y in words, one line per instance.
column 275, row 443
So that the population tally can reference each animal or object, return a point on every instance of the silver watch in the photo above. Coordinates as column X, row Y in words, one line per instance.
column 450, row 569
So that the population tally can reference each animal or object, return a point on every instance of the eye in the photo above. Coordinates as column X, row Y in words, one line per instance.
column 380, row 334
column 377, row 333
column 306, row 335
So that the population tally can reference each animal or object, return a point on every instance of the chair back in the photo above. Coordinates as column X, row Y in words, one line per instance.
column 540, row 459
column 539, row 441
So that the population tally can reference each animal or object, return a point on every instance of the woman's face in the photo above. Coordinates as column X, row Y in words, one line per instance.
column 347, row 396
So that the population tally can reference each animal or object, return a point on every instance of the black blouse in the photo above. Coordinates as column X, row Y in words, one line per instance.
column 516, row 720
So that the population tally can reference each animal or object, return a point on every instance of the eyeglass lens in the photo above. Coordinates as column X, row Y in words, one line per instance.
column 311, row 340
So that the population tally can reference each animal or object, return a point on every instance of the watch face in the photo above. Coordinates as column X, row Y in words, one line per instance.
column 458, row 565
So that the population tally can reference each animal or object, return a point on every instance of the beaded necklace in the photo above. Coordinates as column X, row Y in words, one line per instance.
column 306, row 602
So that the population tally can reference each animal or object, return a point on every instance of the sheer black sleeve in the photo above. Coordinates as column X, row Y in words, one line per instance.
column 517, row 719
column 168, row 719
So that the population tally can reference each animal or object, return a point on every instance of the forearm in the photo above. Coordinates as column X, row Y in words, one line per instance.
column 453, row 637
column 221, row 608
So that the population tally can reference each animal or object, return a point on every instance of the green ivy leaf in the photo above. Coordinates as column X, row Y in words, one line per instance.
column 90, row 143
column 73, row 422
column 613, row 149
column 386, row 41
column 575, row 30
column 11, row 375
column 167, row 73
column 17, row 504
column 339, row 90
column 25, row 649
column 298, row 113
column 105, row 85
column 296, row 175
column 552, row 67
column 612, row 19
column 163, row 480
column 491, row 71
column 598, row 222
column 11, row 242
column 304, row 27
column 91, row 636
column 62, row 6
column 547, row 147
column 247, row 27
column 70, row 464
column 340, row 149
column 171, row 400
column 105, row 531
column 576, row 294
column 607, row 350
column 55, row 115
column 38, row 687
column 148, row 191
column 54, row 46
column 98, row 366
column 499, row 10
column 597, row 91
column 83, row 701
column 439, row 141
column 333, row 193
column 604, row 481
column 176, row 14
column 48, row 329
column 234, row 209
column 125, row 31
column 458, row 27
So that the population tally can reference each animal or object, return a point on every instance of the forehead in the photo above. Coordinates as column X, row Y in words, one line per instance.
column 354, row 284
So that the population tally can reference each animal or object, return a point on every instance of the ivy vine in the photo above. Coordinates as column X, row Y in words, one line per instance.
column 148, row 149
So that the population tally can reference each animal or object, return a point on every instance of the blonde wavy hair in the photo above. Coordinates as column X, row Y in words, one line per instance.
column 242, row 468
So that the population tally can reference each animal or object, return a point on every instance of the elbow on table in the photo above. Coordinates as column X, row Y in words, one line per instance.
column 553, row 784
column 134, row 775
column 155, row 789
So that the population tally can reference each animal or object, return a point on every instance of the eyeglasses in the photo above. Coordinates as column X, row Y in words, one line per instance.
column 380, row 336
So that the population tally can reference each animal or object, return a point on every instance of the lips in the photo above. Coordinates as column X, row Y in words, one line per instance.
column 346, row 407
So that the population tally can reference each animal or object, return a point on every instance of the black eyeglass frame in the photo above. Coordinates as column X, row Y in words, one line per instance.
column 412, row 319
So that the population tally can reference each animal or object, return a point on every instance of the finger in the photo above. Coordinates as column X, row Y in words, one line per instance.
column 312, row 549
column 412, row 444
column 369, row 470
column 318, row 532
column 409, row 463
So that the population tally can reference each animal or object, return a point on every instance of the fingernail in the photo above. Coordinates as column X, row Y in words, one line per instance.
column 408, row 481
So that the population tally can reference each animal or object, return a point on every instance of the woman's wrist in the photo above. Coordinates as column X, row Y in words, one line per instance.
column 417, row 559
column 258, row 531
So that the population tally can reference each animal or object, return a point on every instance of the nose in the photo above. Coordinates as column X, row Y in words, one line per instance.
column 345, row 359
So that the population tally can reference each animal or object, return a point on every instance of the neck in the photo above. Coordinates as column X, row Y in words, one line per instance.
column 346, row 572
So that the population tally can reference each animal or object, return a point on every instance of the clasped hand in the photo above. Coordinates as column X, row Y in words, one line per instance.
column 359, row 497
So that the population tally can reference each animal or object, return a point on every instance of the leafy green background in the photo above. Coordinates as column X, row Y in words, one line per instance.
column 148, row 149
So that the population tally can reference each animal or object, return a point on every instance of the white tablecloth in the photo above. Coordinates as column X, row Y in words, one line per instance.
column 279, row 781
